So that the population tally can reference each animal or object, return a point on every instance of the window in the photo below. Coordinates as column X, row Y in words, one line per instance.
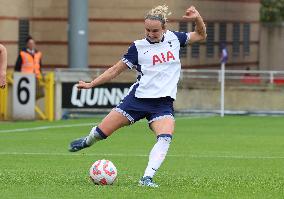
column 24, row 27
column 210, row 40
column 183, row 28
column 222, row 35
column 246, row 36
column 195, row 46
column 236, row 39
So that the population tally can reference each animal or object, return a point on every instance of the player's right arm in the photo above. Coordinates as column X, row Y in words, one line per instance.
column 199, row 34
column 108, row 75
column 3, row 66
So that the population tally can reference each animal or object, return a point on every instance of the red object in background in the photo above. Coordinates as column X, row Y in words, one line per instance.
column 279, row 81
column 249, row 79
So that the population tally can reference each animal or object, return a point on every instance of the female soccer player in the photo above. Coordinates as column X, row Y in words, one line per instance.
column 156, row 60
column 3, row 66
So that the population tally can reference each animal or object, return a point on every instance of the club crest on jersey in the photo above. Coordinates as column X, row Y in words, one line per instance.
column 161, row 58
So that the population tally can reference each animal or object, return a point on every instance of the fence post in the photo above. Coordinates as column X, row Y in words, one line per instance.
column 49, row 96
column 3, row 103
column 222, row 89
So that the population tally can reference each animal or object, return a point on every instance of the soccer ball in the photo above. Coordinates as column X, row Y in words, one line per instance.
column 103, row 172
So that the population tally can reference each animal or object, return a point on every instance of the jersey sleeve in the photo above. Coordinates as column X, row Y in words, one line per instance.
column 183, row 38
column 131, row 57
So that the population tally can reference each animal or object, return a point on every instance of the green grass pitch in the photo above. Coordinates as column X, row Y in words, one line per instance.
column 213, row 157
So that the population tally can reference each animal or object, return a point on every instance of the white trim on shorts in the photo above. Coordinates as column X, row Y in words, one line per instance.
column 161, row 117
column 124, row 114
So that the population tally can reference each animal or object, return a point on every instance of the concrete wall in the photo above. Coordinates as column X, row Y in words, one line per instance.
column 272, row 47
column 244, row 99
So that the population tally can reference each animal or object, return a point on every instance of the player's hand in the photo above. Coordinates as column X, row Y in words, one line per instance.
column 2, row 81
column 191, row 14
column 84, row 85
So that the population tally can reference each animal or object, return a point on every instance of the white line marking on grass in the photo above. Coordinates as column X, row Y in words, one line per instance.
column 143, row 155
column 235, row 157
column 192, row 117
column 69, row 125
column 45, row 127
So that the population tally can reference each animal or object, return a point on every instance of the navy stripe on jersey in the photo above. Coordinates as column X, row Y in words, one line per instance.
column 131, row 57
column 182, row 37
column 140, row 74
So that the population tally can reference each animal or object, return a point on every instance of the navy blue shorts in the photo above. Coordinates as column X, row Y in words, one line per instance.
column 150, row 108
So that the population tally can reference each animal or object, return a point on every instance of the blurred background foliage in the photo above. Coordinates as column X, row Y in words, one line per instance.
column 272, row 11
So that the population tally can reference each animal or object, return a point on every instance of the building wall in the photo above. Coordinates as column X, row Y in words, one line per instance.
column 113, row 26
column 272, row 47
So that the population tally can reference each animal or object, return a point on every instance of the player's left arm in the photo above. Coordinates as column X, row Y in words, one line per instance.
column 199, row 33
column 108, row 75
column 3, row 66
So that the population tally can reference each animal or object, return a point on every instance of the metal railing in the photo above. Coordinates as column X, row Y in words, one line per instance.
column 265, row 81
column 271, row 76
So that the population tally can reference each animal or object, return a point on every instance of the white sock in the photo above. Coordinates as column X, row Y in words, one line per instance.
column 158, row 154
column 96, row 134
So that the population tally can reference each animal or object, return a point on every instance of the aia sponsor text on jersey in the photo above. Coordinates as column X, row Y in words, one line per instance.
column 163, row 57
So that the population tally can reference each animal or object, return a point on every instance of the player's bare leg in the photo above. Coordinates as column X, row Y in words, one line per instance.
column 113, row 121
column 164, row 129
column 109, row 124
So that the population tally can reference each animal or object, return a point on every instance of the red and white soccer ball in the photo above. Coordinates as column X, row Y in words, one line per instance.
column 103, row 172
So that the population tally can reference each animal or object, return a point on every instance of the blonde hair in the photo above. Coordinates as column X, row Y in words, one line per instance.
column 159, row 13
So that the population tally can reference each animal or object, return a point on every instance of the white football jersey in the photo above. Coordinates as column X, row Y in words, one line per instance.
column 157, row 64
